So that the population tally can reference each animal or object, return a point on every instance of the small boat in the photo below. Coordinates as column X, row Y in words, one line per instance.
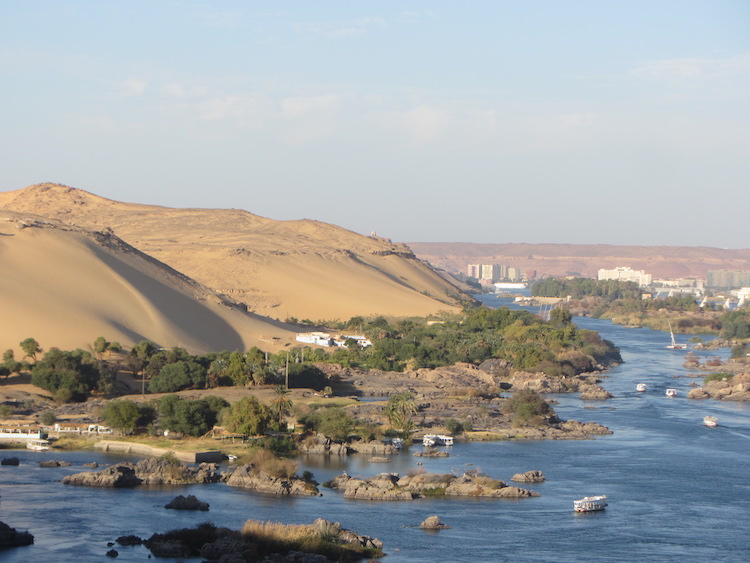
column 590, row 504
column 671, row 392
column 710, row 421
column 37, row 445
column 674, row 345
column 641, row 387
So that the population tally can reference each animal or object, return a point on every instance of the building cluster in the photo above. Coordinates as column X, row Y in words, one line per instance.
column 488, row 274
column 329, row 341
column 727, row 279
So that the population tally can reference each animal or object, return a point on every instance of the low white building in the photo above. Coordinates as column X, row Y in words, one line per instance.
column 624, row 273
column 325, row 339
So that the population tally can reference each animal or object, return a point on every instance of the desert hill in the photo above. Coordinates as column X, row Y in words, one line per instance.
column 304, row 269
column 65, row 286
column 584, row 259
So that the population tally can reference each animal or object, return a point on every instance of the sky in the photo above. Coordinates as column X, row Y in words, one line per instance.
column 492, row 121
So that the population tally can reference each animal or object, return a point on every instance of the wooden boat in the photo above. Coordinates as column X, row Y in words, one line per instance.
column 641, row 387
column 590, row 504
column 710, row 421
column 671, row 392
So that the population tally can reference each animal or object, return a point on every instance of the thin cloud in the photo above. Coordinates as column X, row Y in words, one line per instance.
column 694, row 68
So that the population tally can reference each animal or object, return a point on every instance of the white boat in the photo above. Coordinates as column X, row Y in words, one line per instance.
column 430, row 440
column 590, row 504
column 641, row 387
column 38, row 445
column 710, row 421
column 671, row 392
column 674, row 345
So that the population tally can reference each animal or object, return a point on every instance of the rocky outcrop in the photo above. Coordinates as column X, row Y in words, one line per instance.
column 9, row 537
column 433, row 523
column 736, row 388
column 146, row 472
column 431, row 452
column 10, row 461
column 250, row 477
column 389, row 486
column 594, row 393
column 375, row 447
column 533, row 476
column 187, row 503
column 343, row 536
column 320, row 445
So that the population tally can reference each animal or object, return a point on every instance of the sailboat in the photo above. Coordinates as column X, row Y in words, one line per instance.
column 674, row 345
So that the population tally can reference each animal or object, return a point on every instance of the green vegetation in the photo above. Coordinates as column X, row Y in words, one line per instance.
column 189, row 417
column 248, row 417
column 122, row 415
column 578, row 288
column 70, row 375
column 717, row 377
column 526, row 407
column 334, row 422
column 399, row 410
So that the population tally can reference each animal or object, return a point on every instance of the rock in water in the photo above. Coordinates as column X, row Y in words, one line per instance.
column 187, row 503
column 533, row 476
column 433, row 523
column 9, row 537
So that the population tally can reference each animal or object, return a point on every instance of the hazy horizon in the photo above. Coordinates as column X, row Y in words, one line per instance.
column 492, row 122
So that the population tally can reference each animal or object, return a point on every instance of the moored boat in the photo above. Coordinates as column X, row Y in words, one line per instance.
column 641, row 387
column 671, row 392
column 38, row 445
column 710, row 421
column 437, row 440
column 590, row 504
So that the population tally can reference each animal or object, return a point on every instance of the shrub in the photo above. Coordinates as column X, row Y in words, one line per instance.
column 717, row 377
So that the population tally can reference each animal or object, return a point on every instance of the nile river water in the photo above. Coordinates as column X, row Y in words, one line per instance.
column 678, row 491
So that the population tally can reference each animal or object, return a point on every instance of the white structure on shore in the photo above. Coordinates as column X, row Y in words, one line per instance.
column 624, row 273
column 325, row 339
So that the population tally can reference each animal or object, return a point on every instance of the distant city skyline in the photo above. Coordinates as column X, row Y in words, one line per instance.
column 579, row 122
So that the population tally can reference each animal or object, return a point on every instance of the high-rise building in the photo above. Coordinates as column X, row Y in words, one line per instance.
column 474, row 271
column 727, row 279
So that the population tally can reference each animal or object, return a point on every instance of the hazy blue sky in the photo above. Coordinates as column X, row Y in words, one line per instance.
column 485, row 121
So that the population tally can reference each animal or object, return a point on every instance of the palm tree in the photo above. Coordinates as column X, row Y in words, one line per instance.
column 281, row 404
column 399, row 410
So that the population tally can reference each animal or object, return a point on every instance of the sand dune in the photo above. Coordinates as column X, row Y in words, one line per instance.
column 304, row 269
column 65, row 286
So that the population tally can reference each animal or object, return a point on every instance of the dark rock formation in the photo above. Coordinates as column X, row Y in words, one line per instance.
column 54, row 463
column 10, row 461
column 9, row 537
column 533, row 476
column 249, row 477
column 112, row 553
column 187, row 503
column 129, row 540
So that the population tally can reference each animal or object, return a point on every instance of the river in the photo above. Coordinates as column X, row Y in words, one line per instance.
column 677, row 491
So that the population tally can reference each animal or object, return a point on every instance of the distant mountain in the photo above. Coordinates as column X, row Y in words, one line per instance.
column 65, row 286
column 304, row 269
column 584, row 259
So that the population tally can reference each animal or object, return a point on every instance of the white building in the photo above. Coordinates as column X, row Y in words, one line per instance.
column 624, row 273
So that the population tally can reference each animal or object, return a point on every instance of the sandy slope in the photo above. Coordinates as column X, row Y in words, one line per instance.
column 304, row 269
column 65, row 286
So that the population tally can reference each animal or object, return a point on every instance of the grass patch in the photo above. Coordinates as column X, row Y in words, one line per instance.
column 718, row 377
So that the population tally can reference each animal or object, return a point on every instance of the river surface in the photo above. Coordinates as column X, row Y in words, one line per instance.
column 677, row 491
